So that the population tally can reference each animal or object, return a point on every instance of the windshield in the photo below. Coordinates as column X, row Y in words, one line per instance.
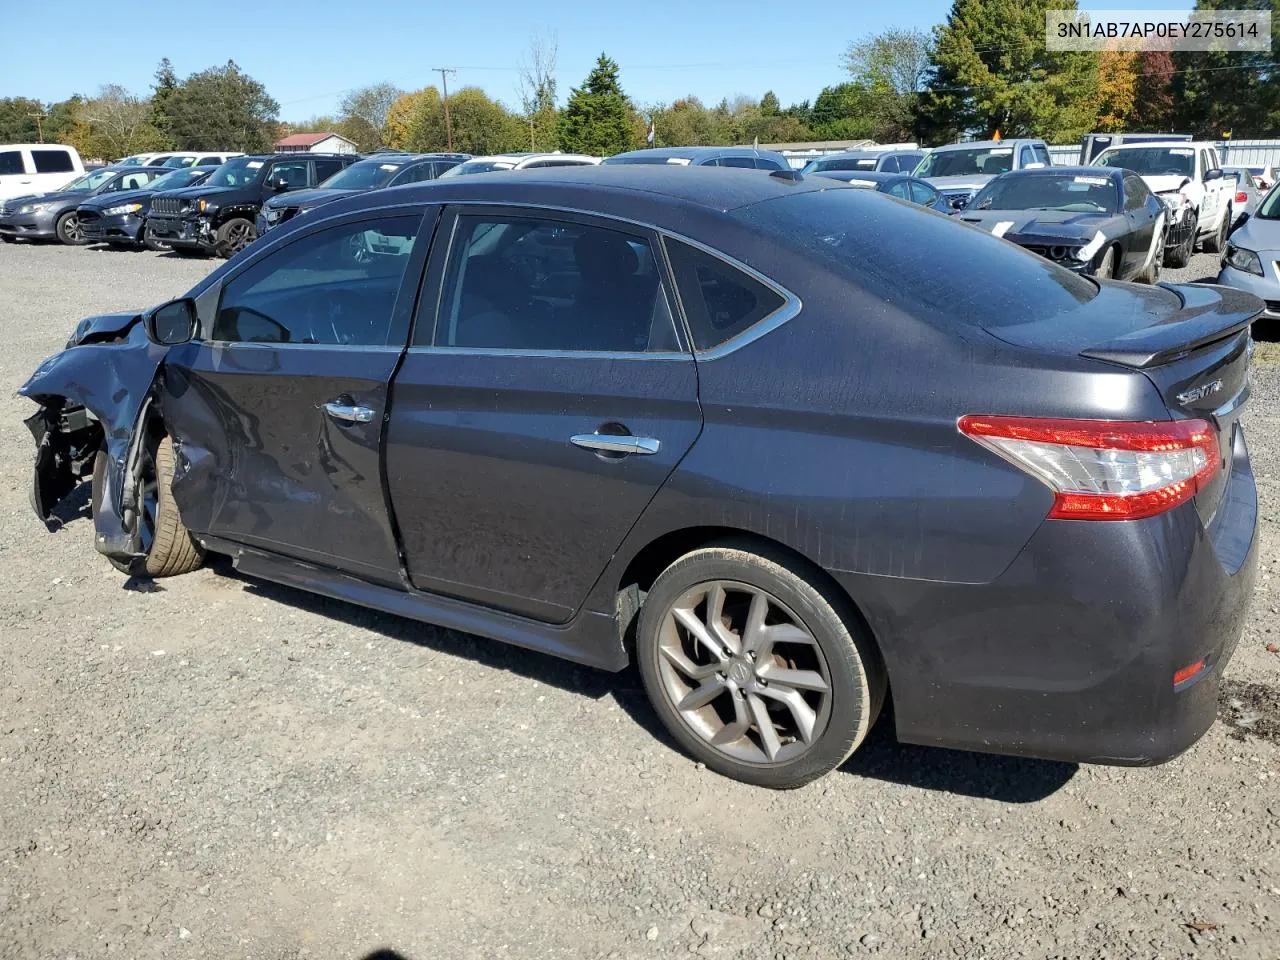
column 1151, row 161
column 179, row 179
column 965, row 163
column 239, row 172
column 364, row 175
column 90, row 181
column 842, row 163
column 478, row 166
column 1079, row 194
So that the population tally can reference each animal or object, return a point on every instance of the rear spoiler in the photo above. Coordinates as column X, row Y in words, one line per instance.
column 1209, row 313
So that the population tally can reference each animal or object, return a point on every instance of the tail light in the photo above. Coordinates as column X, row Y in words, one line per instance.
column 1104, row 469
column 1242, row 197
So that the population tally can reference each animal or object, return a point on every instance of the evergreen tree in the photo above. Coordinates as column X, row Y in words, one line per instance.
column 598, row 119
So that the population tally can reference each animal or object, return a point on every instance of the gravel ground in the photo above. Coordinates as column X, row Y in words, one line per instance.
column 217, row 768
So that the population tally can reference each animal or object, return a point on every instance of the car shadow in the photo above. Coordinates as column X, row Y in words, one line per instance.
column 74, row 507
column 881, row 757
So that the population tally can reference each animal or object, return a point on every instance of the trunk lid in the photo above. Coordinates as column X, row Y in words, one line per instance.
column 1192, row 342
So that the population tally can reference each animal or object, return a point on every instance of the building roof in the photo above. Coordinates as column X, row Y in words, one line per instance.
column 307, row 139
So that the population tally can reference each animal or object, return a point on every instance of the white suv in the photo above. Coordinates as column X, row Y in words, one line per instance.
column 1188, row 178
column 36, row 168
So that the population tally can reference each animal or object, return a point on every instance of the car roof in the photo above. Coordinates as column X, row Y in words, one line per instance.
column 1149, row 144
column 874, row 176
column 695, row 153
column 1077, row 171
column 980, row 144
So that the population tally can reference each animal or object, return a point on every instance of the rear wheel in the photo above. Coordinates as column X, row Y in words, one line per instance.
column 233, row 236
column 168, row 545
column 69, row 231
column 756, row 667
column 1218, row 241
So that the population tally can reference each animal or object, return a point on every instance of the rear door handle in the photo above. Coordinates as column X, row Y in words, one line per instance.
column 348, row 412
column 613, row 443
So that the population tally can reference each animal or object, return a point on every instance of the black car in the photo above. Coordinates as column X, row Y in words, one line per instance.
column 789, row 447
column 219, row 216
column 1099, row 221
column 52, row 216
column 900, row 185
column 119, row 219
column 372, row 173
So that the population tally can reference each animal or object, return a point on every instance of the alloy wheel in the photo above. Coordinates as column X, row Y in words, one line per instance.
column 147, row 489
column 238, row 236
column 72, row 229
column 744, row 673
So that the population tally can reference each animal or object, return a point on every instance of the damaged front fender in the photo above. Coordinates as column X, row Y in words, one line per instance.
column 92, row 395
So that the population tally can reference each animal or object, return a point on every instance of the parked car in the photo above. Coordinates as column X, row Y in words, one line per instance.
column 1188, row 178
column 1251, row 260
column 120, row 218
column 1247, row 191
column 745, row 157
column 1092, row 144
column 959, row 170
column 52, row 216
column 890, row 454
column 373, row 173
column 519, row 161
column 887, row 161
column 1102, row 222
column 219, row 215
column 27, row 168
column 179, row 160
column 136, row 160
column 900, row 185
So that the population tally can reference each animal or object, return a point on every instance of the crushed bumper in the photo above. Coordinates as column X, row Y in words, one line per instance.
column 190, row 232
column 121, row 228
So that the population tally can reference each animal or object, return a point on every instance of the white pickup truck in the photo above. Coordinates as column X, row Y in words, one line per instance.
column 1187, row 176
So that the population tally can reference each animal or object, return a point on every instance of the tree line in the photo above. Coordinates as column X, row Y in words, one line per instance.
column 985, row 69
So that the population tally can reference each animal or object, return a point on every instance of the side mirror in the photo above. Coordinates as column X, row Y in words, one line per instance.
column 280, row 185
column 1214, row 174
column 1241, row 220
column 171, row 323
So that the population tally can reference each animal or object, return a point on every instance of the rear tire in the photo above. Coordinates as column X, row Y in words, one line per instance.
column 68, row 230
column 1218, row 241
column 172, row 550
column 233, row 236
column 790, row 694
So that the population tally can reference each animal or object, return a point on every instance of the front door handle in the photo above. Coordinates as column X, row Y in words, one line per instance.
column 614, row 443
column 348, row 412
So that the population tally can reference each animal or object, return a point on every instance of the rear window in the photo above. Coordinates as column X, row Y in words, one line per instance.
column 922, row 262
column 720, row 301
column 52, row 161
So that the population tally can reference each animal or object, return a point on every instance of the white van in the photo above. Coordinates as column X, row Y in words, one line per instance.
column 36, row 168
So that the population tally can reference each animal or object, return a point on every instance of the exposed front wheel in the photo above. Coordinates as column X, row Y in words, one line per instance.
column 233, row 236
column 1218, row 242
column 1152, row 273
column 168, row 546
column 1107, row 265
column 1179, row 256
column 69, row 231
column 151, row 242
column 755, row 668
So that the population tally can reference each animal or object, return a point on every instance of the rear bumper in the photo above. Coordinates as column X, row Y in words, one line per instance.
column 194, row 233
column 1070, row 653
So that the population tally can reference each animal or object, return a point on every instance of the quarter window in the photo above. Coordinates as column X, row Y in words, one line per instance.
column 527, row 283
column 337, row 286
column 1042, row 154
column 11, row 163
column 720, row 301
column 52, row 161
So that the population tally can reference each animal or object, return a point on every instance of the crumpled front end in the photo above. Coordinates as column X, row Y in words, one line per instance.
column 93, row 396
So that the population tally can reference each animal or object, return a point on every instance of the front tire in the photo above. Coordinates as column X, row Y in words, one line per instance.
column 756, row 667
column 151, row 243
column 1107, row 265
column 233, row 236
column 1152, row 273
column 170, row 548
column 1179, row 256
column 1218, row 242
column 68, row 230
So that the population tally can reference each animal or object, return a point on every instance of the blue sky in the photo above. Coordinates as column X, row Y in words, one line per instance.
column 308, row 53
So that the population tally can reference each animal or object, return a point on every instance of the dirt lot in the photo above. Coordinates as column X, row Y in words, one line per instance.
column 217, row 768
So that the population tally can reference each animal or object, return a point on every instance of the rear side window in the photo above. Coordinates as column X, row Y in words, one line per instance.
column 767, row 163
column 720, row 301
column 415, row 174
column 747, row 163
column 52, row 161
column 326, row 169
column 890, row 165
column 11, row 163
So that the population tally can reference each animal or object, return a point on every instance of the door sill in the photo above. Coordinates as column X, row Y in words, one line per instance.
column 590, row 638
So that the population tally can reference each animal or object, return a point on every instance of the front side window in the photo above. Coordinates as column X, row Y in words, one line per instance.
column 52, row 161
column 292, row 172
column 337, row 286
column 1024, row 157
column 923, row 194
column 899, row 190
column 720, row 301
column 11, row 163
column 1136, row 193
column 527, row 283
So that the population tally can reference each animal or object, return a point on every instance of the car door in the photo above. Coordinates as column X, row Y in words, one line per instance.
column 1140, row 244
column 546, row 397
column 15, row 180
column 52, row 166
column 286, row 175
column 1211, row 205
column 278, row 408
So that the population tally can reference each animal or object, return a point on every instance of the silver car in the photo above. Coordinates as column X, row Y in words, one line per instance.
column 1251, row 260
column 1248, row 193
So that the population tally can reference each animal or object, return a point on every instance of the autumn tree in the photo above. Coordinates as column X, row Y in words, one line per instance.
column 116, row 124
column 362, row 114
column 991, row 71
column 398, row 127
column 1229, row 91
column 598, row 119
column 480, row 125
column 1153, row 97
column 538, row 89
column 1117, row 89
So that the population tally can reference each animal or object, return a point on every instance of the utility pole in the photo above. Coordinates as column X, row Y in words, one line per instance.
column 444, row 83
column 39, row 118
